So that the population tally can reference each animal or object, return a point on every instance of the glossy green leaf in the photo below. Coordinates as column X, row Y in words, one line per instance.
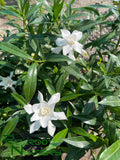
column 58, row 5
column 73, row 72
column 49, row 87
column 9, row 128
column 30, row 83
column 56, row 141
column 79, row 141
column 110, row 131
column 86, row 119
column 20, row 99
column 111, row 101
column 75, row 153
column 58, row 58
column 79, row 131
column 12, row 49
column 69, row 97
column 60, row 82
column 112, row 153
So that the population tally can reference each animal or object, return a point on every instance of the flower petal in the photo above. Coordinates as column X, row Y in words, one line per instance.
column 2, row 83
column 71, row 55
column 1, row 77
column 56, row 50
column 77, row 35
column 67, row 49
column 35, row 117
column 36, row 107
column 65, row 33
column 78, row 47
column 44, row 121
column 40, row 97
column 34, row 126
column 60, row 115
column 51, row 128
column 28, row 108
column 60, row 42
column 11, row 74
column 54, row 99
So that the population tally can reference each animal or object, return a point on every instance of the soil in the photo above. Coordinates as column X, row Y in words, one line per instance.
column 78, row 3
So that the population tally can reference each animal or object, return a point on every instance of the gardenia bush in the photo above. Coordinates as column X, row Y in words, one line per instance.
column 55, row 96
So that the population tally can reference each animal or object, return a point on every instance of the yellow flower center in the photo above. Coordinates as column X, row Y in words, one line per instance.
column 44, row 111
column 70, row 40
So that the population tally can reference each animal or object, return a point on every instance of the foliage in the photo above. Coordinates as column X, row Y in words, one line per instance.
column 89, row 86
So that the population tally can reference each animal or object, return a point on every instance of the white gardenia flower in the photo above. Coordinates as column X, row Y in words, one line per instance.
column 68, row 43
column 43, row 113
column 7, row 82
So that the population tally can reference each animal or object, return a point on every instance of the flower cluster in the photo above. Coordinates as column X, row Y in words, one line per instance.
column 43, row 113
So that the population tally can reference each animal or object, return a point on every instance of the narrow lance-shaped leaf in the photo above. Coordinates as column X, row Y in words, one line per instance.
column 58, row 58
column 49, row 87
column 30, row 82
column 20, row 99
column 112, row 153
column 56, row 141
column 9, row 128
column 111, row 101
column 79, row 141
column 12, row 49
column 73, row 72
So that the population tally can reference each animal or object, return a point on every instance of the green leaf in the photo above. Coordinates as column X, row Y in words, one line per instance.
column 58, row 58
column 20, row 99
column 56, row 141
column 111, row 101
column 110, row 131
column 79, row 131
column 12, row 49
column 91, row 105
column 49, row 87
column 32, row 10
column 79, row 141
column 88, row 9
column 10, row 126
column 115, row 59
column 58, row 5
column 74, row 16
column 73, row 72
column 9, row 12
column 30, row 82
column 14, row 149
column 86, row 119
column 87, row 25
column 60, row 82
column 5, row 64
column 112, row 153
column 2, row 2
column 70, row 97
